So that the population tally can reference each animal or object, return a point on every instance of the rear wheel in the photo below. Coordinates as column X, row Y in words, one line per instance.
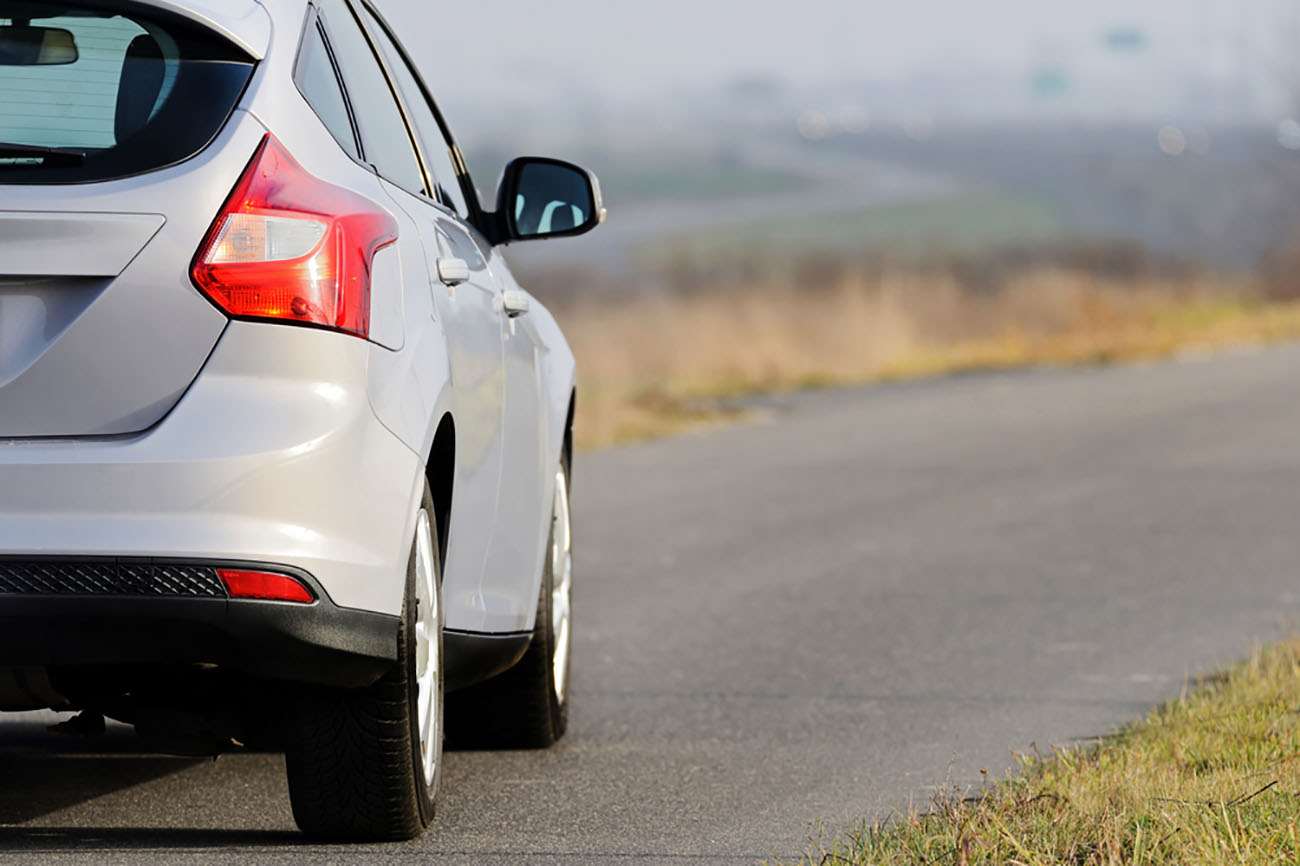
column 527, row 707
column 365, row 764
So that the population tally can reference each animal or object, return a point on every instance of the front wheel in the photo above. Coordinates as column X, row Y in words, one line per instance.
column 527, row 707
column 365, row 764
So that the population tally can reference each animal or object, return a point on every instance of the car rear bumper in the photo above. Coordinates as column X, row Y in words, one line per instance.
column 319, row 643
column 273, row 455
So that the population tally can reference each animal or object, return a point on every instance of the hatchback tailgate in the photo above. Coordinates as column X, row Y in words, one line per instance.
column 101, row 329
column 86, row 349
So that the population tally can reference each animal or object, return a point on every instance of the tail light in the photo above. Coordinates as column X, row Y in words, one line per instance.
column 264, row 586
column 289, row 247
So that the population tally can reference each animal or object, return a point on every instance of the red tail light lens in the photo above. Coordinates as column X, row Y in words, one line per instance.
column 264, row 586
column 291, row 248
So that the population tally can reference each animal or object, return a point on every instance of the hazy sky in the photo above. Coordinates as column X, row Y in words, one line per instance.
column 620, row 45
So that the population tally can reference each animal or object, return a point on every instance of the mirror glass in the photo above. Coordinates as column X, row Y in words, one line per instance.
column 551, row 199
column 36, row 46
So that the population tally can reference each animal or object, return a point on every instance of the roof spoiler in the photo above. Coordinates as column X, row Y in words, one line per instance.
column 244, row 22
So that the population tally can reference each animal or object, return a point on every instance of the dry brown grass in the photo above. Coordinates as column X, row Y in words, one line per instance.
column 658, row 363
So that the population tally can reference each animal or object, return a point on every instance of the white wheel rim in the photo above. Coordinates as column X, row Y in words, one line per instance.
column 427, row 648
column 561, row 585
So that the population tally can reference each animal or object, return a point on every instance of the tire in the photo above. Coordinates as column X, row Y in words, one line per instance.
column 527, row 707
column 357, row 760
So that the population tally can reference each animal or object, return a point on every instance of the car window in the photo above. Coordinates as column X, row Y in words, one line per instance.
column 437, row 151
column 385, row 142
column 319, row 84
column 92, row 92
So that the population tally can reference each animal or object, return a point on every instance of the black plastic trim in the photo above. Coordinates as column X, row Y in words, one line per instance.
column 473, row 657
column 319, row 643
column 54, row 578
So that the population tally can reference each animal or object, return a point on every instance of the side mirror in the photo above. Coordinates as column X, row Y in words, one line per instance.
column 547, row 198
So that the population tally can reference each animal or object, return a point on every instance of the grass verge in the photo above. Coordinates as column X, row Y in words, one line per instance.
column 1212, row 778
column 657, row 364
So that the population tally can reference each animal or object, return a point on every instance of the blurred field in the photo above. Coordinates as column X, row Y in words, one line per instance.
column 953, row 222
column 1212, row 778
column 658, row 362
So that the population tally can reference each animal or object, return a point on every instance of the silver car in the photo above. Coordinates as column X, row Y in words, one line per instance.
column 284, row 448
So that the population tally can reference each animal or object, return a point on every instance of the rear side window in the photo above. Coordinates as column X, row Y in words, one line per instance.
column 96, row 92
column 436, row 149
column 385, row 142
column 319, row 84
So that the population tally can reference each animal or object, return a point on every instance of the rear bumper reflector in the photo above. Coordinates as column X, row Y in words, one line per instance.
column 264, row 586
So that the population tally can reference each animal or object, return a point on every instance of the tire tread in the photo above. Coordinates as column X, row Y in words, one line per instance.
column 351, row 756
column 350, row 767
column 516, row 709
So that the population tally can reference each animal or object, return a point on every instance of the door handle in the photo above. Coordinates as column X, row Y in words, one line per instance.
column 516, row 303
column 452, row 272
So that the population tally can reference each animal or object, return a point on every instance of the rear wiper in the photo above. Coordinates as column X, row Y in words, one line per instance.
column 47, row 155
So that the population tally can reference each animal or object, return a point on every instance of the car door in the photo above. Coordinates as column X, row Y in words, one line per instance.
column 515, row 562
column 514, row 557
column 468, row 310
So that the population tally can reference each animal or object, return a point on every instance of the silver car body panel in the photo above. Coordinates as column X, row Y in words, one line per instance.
column 244, row 22
column 36, row 243
column 110, row 367
column 277, row 444
column 258, row 462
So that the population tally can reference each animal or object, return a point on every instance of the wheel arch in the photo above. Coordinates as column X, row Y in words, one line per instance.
column 568, row 429
column 440, row 471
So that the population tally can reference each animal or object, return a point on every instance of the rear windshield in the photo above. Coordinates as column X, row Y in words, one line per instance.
column 107, row 90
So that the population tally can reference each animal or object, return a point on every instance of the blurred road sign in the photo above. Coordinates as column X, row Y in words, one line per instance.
column 1049, row 82
column 1126, row 40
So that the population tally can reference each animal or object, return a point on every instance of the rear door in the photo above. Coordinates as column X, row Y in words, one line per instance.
column 469, row 312
column 523, row 508
column 107, row 186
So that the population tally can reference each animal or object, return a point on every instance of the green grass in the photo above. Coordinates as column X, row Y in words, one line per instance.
column 696, row 183
column 1213, row 778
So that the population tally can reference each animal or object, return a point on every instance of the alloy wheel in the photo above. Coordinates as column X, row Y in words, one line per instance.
column 428, row 648
column 562, row 584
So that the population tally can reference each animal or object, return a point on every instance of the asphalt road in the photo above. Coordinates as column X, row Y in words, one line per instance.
column 816, row 617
